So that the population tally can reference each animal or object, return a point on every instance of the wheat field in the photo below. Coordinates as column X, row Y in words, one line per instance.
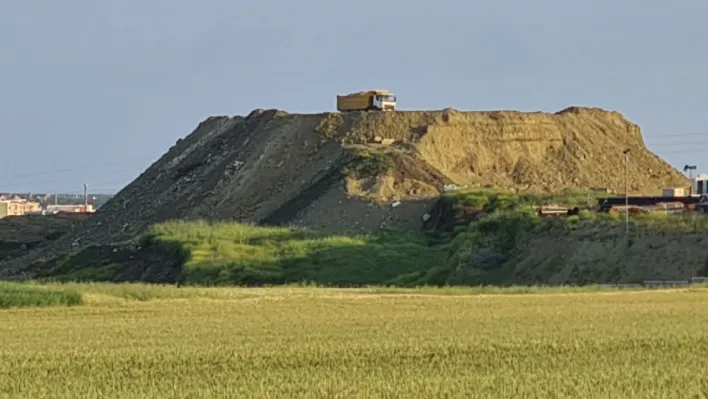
column 163, row 342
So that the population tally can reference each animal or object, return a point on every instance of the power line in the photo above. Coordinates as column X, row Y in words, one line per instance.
column 75, row 169
column 97, row 174
column 645, row 136
column 95, row 182
column 114, row 186
column 678, row 144
column 685, row 151
column 101, row 190
column 52, row 180
column 92, row 188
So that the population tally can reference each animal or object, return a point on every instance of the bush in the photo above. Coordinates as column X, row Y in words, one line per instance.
column 368, row 164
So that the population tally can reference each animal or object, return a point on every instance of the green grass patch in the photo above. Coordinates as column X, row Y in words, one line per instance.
column 368, row 164
column 491, row 200
column 690, row 221
column 229, row 253
column 483, row 250
column 15, row 295
column 102, row 273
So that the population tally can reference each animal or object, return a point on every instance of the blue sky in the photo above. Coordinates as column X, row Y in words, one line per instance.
column 95, row 91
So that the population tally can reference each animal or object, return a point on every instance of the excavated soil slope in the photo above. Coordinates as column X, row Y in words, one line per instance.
column 591, row 252
column 19, row 234
column 602, row 253
column 342, row 171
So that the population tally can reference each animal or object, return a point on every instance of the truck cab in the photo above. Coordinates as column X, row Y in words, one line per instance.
column 384, row 102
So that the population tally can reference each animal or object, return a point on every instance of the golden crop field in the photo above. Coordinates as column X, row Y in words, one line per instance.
column 161, row 342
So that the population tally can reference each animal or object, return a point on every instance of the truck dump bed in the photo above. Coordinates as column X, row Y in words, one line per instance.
column 356, row 101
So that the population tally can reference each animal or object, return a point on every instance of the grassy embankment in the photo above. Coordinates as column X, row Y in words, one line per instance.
column 228, row 253
column 14, row 295
column 305, row 342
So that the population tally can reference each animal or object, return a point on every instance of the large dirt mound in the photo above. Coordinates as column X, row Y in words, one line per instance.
column 342, row 171
column 19, row 234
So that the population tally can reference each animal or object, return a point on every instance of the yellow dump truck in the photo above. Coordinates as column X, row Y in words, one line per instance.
column 372, row 100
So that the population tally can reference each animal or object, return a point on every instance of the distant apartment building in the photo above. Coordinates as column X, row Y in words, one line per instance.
column 70, row 208
column 16, row 206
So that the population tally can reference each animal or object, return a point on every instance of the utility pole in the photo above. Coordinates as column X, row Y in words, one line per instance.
column 626, row 191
